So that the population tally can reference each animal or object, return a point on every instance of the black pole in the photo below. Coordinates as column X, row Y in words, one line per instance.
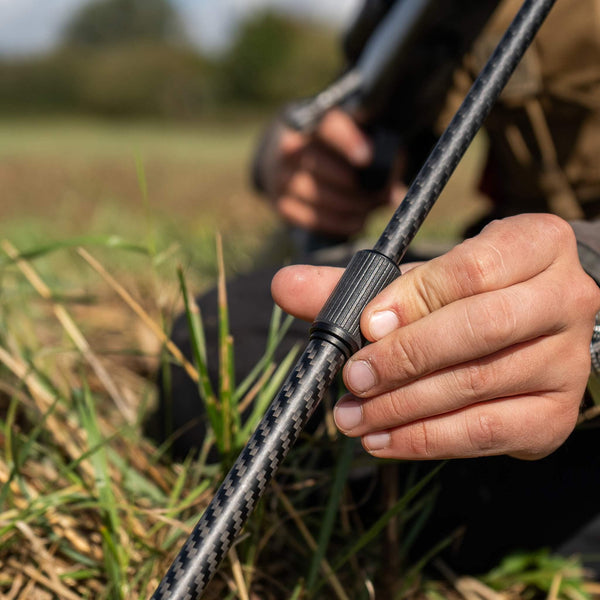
column 335, row 335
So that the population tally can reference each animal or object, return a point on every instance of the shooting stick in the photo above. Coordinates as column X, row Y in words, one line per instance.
column 335, row 334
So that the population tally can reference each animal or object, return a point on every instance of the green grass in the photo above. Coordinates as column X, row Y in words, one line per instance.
column 68, row 178
column 91, row 509
column 154, row 184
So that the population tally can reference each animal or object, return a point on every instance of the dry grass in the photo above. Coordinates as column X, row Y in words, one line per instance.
column 82, row 489
column 89, row 508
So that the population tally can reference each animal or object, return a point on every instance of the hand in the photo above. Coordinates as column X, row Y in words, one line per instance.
column 482, row 351
column 312, row 180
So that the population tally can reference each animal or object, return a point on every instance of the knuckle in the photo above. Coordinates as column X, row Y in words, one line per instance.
column 419, row 442
column 595, row 297
column 591, row 295
column 474, row 380
column 482, row 432
column 556, row 230
column 581, row 362
column 562, row 421
column 291, row 142
column 427, row 295
column 292, row 209
column 492, row 318
column 569, row 420
column 479, row 265
column 577, row 302
column 302, row 184
column 405, row 358
column 545, row 228
column 566, row 418
column 394, row 409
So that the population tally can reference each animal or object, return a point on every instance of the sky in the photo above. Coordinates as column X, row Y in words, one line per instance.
column 34, row 26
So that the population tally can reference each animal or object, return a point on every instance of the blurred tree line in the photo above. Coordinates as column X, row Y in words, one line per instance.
column 130, row 58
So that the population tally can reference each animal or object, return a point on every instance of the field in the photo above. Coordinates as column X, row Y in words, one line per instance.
column 68, row 177
column 146, row 182
column 114, row 223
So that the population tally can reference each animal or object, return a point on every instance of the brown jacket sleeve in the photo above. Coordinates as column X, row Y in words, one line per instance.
column 588, row 245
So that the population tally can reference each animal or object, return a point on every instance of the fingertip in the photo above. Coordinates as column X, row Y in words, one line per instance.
column 348, row 414
column 384, row 314
column 301, row 290
column 291, row 141
column 285, row 277
column 376, row 442
column 359, row 376
column 382, row 323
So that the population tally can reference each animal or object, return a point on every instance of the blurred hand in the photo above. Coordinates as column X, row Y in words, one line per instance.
column 312, row 179
column 482, row 351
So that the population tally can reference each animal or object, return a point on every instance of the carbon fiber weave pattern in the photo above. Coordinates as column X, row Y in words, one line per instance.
column 200, row 556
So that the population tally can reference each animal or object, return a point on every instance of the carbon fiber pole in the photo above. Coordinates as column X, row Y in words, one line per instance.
column 335, row 335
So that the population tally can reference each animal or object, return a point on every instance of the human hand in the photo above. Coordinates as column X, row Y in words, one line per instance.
column 481, row 351
column 312, row 180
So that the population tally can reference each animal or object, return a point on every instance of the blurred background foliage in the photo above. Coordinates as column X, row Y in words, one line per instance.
column 130, row 58
column 125, row 89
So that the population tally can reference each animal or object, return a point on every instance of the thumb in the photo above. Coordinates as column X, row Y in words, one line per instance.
column 301, row 290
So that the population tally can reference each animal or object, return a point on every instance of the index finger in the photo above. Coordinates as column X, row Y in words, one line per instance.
column 505, row 253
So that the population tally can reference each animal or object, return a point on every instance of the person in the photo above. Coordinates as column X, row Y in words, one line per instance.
column 482, row 352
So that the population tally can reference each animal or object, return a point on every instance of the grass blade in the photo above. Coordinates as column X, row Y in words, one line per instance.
column 340, row 477
column 114, row 560
column 198, row 345
column 72, row 331
column 265, row 397
column 104, row 241
column 329, row 573
column 143, row 185
column 230, row 413
column 140, row 312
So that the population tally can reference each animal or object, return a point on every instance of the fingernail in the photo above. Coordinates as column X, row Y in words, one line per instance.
column 359, row 376
column 383, row 322
column 376, row 441
column 347, row 414
column 361, row 154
